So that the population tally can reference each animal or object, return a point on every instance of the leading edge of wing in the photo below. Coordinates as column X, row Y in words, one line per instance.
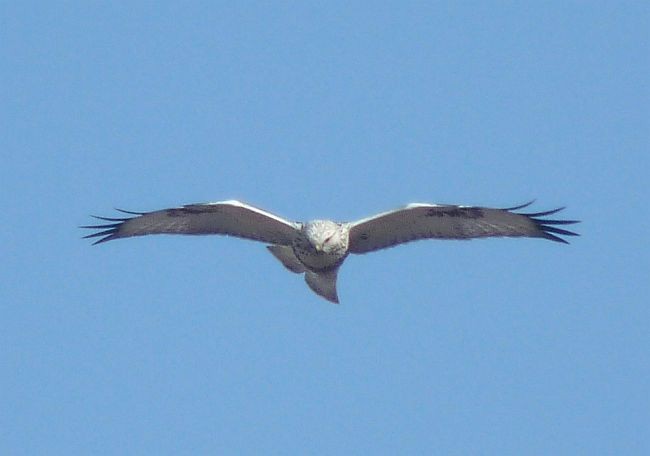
column 399, row 209
column 251, row 208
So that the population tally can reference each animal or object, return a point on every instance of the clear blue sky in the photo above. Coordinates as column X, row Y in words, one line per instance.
column 207, row 345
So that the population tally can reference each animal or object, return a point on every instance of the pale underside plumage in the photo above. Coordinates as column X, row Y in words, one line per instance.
column 318, row 248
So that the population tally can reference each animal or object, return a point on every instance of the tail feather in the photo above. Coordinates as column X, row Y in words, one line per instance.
column 323, row 284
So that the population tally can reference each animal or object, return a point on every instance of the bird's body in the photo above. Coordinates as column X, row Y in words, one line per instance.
column 321, row 244
column 319, row 247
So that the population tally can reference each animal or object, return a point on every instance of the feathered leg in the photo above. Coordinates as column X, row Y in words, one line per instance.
column 287, row 258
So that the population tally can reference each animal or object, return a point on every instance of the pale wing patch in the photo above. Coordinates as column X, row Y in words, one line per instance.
column 262, row 212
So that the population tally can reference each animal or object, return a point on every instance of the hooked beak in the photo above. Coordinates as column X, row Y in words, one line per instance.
column 319, row 248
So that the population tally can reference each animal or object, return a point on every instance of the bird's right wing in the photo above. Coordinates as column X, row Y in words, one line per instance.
column 232, row 218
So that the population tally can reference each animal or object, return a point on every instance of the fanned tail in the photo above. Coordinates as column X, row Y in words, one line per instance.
column 323, row 284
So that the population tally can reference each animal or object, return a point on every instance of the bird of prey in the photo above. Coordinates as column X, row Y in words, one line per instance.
column 318, row 248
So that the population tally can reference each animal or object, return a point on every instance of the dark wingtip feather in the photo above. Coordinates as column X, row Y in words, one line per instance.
column 129, row 212
column 105, row 239
column 97, row 227
column 542, row 214
column 108, row 231
column 521, row 206
column 555, row 222
column 108, row 235
column 552, row 237
column 110, row 219
column 552, row 229
column 101, row 233
column 547, row 230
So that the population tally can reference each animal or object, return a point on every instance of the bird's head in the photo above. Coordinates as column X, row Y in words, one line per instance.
column 326, row 236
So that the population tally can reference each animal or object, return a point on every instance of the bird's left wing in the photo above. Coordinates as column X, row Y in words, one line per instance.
column 232, row 218
column 425, row 221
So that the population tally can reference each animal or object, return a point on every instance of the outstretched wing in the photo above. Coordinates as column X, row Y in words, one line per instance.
column 232, row 218
column 426, row 221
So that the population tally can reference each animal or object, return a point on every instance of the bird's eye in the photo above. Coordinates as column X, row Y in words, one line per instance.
column 327, row 239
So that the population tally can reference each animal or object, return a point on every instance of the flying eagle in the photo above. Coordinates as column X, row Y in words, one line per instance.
column 319, row 247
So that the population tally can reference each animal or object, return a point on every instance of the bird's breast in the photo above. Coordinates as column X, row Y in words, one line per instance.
column 317, row 261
